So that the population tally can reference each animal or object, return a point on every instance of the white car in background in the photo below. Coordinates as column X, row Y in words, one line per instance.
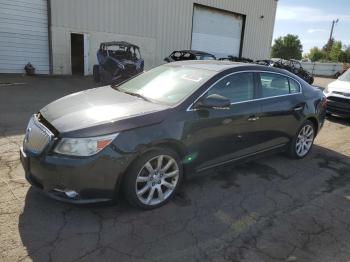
column 338, row 96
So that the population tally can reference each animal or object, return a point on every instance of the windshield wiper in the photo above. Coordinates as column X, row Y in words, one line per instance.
column 137, row 95
column 132, row 94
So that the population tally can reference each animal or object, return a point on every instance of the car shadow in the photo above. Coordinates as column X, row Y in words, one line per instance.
column 339, row 120
column 224, row 213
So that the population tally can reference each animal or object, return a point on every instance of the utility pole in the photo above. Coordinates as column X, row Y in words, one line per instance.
column 331, row 36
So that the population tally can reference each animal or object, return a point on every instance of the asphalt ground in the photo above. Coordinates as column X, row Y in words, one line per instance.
column 272, row 209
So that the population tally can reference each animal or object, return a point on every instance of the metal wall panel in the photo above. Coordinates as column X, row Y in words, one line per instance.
column 166, row 24
column 23, row 35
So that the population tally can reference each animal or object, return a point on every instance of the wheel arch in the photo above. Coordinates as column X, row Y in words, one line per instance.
column 175, row 146
column 315, row 123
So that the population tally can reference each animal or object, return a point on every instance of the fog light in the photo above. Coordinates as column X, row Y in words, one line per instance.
column 71, row 194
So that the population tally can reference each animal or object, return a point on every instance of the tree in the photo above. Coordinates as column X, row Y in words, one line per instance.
column 347, row 54
column 316, row 54
column 336, row 53
column 287, row 47
column 327, row 47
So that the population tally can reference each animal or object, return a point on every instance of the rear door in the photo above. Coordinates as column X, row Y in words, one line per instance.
column 282, row 104
column 219, row 135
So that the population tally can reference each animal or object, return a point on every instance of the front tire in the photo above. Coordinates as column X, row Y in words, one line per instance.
column 96, row 73
column 302, row 143
column 153, row 179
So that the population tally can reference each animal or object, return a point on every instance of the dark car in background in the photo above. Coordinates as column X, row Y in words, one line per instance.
column 184, row 55
column 236, row 59
column 143, row 136
column 118, row 61
column 295, row 67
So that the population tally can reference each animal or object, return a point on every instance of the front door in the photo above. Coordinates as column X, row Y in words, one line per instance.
column 215, row 136
column 282, row 107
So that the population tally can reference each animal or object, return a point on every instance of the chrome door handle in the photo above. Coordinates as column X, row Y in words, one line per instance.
column 298, row 108
column 253, row 118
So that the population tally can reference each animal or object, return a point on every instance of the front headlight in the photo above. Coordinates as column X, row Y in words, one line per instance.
column 326, row 90
column 83, row 146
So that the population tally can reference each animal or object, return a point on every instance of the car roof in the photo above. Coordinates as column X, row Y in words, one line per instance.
column 120, row 43
column 219, row 66
column 214, row 65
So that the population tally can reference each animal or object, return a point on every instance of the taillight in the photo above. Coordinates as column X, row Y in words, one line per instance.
column 324, row 102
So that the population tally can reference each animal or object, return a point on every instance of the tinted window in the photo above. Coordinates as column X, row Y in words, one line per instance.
column 276, row 85
column 345, row 76
column 294, row 86
column 236, row 87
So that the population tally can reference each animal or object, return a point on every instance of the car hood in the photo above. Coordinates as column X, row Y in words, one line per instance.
column 94, row 107
column 339, row 86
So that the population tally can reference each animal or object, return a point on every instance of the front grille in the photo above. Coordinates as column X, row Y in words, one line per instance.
column 338, row 99
column 341, row 93
column 339, row 110
column 37, row 137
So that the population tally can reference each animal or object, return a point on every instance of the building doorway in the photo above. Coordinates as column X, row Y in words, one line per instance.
column 77, row 53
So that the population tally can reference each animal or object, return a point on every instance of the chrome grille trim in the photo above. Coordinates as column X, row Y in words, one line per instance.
column 37, row 137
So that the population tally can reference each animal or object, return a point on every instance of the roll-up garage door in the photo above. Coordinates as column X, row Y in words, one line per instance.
column 216, row 32
column 23, row 36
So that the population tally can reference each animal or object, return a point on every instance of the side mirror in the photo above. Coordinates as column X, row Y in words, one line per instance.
column 214, row 101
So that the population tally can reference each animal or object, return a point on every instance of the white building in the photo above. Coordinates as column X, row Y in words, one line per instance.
column 45, row 32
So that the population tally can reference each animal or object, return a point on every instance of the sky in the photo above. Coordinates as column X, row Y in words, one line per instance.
column 311, row 20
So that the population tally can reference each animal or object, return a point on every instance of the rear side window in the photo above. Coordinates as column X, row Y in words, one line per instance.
column 237, row 87
column 277, row 85
column 294, row 86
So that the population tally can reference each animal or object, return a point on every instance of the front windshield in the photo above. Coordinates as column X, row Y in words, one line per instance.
column 168, row 84
column 345, row 76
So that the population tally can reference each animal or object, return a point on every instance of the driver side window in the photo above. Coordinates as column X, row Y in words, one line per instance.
column 237, row 87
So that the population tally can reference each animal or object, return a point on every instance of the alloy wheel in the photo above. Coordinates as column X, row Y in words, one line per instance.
column 304, row 140
column 157, row 180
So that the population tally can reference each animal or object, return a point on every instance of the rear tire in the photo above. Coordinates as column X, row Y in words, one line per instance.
column 153, row 178
column 96, row 73
column 302, row 142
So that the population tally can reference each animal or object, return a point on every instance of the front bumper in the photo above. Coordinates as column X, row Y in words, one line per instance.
column 94, row 179
column 338, row 105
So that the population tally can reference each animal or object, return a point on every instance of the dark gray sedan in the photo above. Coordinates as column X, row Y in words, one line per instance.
column 145, row 135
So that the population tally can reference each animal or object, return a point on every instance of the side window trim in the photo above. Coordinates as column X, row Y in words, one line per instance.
column 289, row 85
column 257, row 85
column 291, row 79
column 288, row 77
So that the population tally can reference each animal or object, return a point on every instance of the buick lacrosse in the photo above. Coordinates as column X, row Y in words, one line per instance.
column 144, row 136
